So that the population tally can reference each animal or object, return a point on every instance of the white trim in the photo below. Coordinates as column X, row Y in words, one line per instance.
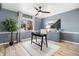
column 29, row 38
column 69, row 32
column 14, row 41
column 14, row 32
column 6, row 43
column 6, row 32
column 70, row 42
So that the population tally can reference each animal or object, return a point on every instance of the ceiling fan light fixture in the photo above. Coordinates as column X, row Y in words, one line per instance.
column 40, row 13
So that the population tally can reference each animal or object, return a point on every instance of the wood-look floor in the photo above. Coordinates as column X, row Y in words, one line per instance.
column 67, row 49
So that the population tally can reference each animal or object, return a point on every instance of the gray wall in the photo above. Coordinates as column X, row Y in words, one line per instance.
column 74, row 37
column 4, row 14
column 69, row 23
column 37, row 24
column 69, row 20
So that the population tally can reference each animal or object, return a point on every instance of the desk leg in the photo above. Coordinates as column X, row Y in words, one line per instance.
column 46, row 41
column 36, row 38
column 41, row 43
column 31, row 38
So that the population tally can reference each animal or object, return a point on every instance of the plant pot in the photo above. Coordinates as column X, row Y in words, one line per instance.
column 11, row 43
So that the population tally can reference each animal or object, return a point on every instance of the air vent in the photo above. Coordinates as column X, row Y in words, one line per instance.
column 0, row 6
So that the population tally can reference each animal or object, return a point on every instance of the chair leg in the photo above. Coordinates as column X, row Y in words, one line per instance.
column 36, row 38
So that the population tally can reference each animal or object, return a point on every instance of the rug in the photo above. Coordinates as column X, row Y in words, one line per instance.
column 34, row 49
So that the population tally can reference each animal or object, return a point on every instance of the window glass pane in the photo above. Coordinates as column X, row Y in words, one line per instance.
column 26, row 24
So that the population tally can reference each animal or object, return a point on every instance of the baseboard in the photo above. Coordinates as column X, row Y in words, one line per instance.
column 5, row 43
column 70, row 32
column 14, row 41
column 70, row 42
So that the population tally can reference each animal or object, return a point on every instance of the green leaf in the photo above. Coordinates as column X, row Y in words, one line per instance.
column 10, row 25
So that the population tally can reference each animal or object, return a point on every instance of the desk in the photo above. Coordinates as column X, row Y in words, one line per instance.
column 39, row 35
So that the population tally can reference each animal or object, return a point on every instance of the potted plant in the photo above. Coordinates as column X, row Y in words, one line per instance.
column 10, row 25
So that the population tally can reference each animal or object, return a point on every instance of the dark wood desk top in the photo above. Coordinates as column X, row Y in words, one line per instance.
column 38, row 34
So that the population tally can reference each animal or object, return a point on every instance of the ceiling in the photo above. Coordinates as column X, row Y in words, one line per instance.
column 28, row 8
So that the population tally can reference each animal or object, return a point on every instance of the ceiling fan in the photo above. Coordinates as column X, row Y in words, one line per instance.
column 39, row 10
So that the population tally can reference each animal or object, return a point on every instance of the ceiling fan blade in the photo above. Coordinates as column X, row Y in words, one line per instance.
column 36, row 14
column 45, row 12
column 36, row 8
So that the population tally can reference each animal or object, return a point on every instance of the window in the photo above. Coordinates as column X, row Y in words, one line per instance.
column 26, row 24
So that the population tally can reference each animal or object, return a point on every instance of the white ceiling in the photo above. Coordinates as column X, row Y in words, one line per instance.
column 28, row 8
